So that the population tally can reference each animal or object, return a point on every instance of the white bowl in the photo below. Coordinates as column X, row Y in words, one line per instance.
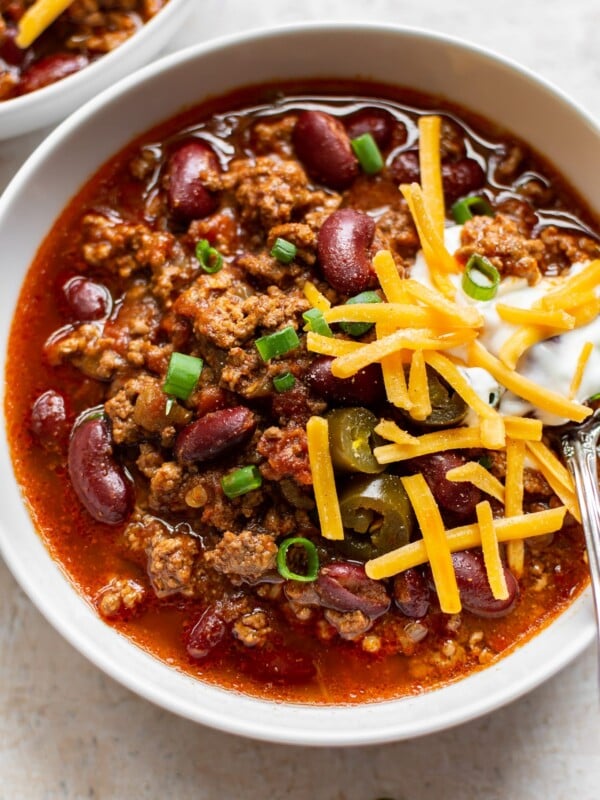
column 500, row 91
column 54, row 102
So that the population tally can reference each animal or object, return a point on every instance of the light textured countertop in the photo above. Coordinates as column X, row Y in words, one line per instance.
column 67, row 731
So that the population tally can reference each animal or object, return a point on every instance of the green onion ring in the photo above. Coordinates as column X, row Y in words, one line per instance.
column 480, row 278
column 313, row 560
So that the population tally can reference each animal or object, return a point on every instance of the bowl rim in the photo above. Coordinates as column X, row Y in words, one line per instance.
column 71, row 82
column 266, row 726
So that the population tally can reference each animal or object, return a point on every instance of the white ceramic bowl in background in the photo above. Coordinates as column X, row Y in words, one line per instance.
column 497, row 89
column 54, row 102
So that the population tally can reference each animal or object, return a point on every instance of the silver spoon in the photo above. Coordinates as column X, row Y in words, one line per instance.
column 579, row 444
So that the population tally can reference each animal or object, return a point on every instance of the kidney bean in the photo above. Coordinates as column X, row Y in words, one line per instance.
column 405, row 167
column 9, row 49
column 323, row 146
column 344, row 586
column 475, row 593
column 100, row 483
column 187, row 196
column 51, row 69
column 458, row 497
column 411, row 593
column 86, row 299
column 376, row 121
column 50, row 420
column 365, row 387
column 206, row 634
column 459, row 178
column 214, row 434
column 343, row 248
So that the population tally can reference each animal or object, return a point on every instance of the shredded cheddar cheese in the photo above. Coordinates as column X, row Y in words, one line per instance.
column 315, row 297
column 492, row 424
column 513, row 506
column 405, row 339
column 392, row 368
column 449, row 439
column 387, row 275
column 434, row 537
column 37, row 18
column 584, row 357
column 534, row 316
column 491, row 551
column 550, row 401
column 460, row 316
column 418, row 388
column 523, row 428
column 389, row 430
column 328, row 507
column 414, row 554
column 431, row 170
column 478, row 475
column 328, row 346
column 584, row 281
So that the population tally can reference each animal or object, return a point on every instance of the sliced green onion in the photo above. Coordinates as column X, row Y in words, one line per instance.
column 283, row 251
column 284, row 382
column 316, row 322
column 360, row 328
column 469, row 207
column 593, row 398
column 366, row 150
column 277, row 344
column 312, row 555
column 241, row 481
column 210, row 259
column 480, row 278
column 182, row 375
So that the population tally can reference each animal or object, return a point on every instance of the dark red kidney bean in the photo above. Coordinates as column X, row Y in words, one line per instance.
column 277, row 662
column 187, row 196
column 475, row 593
column 405, row 167
column 411, row 593
column 366, row 387
column 214, row 434
column 50, row 70
column 50, row 420
column 459, row 178
column 344, row 586
column 343, row 247
column 9, row 49
column 100, row 483
column 323, row 146
column 206, row 634
column 456, row 496
column 376, row 121
column 86, row 299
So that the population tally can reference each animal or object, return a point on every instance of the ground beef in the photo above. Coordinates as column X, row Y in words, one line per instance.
column 247, row 555
column 286, row 452
column 170, row 563
column 349, row 624
column 274, row 136
column 562, row 249
column 302, row 236
column 253, row 629
column 499, row 239
column 120, row 595
column 268, row 190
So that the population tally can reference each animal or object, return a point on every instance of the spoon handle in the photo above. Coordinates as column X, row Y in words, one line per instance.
column 580, row 453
